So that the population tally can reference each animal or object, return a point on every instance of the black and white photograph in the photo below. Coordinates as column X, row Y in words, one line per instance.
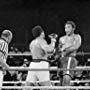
column 44, row 45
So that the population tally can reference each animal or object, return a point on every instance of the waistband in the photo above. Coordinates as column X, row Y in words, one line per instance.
column 67, row 75
column 39, row 60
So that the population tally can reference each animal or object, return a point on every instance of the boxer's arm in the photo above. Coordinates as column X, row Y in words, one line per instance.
column 61, row 45
column 75, row 45
column 48, row 47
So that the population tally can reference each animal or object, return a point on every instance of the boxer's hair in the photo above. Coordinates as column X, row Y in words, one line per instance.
column 71, row 23
column 36, row 31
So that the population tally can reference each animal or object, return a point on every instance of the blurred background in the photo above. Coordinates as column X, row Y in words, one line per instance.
column 20, row 16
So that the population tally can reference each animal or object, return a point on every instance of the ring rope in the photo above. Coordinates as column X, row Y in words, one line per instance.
column 78, row 68
column 80, row 81
column 56, row 81
column 45, row 87
column 29, row 54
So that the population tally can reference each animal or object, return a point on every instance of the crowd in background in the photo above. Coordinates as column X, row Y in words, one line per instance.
column 24, row 61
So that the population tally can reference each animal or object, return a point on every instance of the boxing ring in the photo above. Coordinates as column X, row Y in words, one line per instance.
column 48, row 87
column 54, row 81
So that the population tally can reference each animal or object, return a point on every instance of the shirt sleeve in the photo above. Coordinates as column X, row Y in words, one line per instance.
column 4, row 48
column 3, row 54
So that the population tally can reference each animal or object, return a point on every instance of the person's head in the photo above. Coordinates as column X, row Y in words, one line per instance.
column 26, row 62
column 69, row 27
column 7, row 35
column 37, row 31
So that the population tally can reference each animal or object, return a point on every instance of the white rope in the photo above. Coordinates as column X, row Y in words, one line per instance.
column 83, row 67
column 29, row 54
column 78, row 68
column 45, row 87
column 80, row 81
column 19, row 54
column 56, row 81
column 29, row 69
column 16, row 82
